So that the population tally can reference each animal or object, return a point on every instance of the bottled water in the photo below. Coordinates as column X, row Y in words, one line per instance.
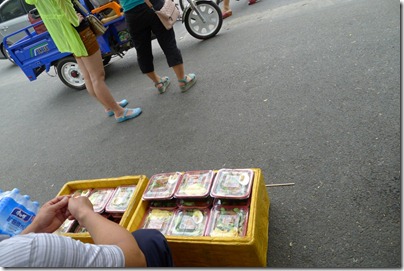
column 16, row 212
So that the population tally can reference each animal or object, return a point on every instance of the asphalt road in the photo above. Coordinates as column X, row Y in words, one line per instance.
column 306, row 90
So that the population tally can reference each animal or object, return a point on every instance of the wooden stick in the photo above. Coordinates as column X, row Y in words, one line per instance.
column 279, row 184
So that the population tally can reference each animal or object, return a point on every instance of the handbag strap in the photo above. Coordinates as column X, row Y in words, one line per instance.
column 149, row 4
column 80, row 6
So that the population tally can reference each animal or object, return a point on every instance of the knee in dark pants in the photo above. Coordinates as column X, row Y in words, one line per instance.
column 154, row 247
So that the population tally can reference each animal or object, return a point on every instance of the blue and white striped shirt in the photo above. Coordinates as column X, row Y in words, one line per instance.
column 51, row 250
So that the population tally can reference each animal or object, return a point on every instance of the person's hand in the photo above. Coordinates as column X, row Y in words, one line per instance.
column 80, row 207
column 50, row 216
column 80, row 16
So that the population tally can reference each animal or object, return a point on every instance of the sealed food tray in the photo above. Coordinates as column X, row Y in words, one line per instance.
column 207, row 251
column 232, row 183
column 140, row 181
column 162, row 186
column 158, row 219
column 189, row 222
column 195, row 184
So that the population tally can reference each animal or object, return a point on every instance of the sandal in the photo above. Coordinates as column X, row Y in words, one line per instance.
column 187, row 84
column 165, row 82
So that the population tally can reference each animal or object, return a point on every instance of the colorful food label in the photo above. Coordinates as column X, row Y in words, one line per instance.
column 232, row 183
column 195, row 184
column 120, row 200
column 99, row 198
column 162, row 186
column 228, row 222
column 158, row 219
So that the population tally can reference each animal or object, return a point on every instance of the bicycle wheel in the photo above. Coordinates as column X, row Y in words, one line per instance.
column 213, row 16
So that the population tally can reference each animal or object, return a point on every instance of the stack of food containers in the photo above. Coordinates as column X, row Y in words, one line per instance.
column 181, row 204
column 114, row 198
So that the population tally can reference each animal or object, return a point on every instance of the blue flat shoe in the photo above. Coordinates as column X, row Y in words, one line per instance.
column 122, row 103
column 136, row 112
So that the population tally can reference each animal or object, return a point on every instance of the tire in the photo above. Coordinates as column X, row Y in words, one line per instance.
column 211, row 13
column 69, row 73
column 183, row 3
column 6, row 54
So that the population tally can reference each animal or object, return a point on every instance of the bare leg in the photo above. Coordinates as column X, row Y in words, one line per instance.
column 226, row 5
column 94, row 76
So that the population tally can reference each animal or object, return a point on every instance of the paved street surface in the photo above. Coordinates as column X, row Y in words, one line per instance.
column 306, row 90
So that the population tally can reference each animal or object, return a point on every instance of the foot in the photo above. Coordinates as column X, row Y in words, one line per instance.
column 188, row 81
column 122, row 103
column 129, row 113
column 163, row 84
column 226, row 14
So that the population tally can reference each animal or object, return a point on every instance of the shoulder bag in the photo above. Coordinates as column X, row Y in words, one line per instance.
column 168, row 14
column 95, row 24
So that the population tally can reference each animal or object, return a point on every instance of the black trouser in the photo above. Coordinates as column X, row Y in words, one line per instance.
column 154, row 246
column 141, row 21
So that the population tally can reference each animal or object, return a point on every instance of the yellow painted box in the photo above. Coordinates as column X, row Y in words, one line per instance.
column 206, row 251
column 140, row 181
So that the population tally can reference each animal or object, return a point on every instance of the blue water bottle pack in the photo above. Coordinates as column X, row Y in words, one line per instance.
column 16, row 212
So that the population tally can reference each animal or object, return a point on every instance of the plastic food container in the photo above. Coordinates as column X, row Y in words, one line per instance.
column 100, row 197
column 120, row 199
column 232, row 202
column 192, row 203
column 195, row 184
column 232, row 183
column 164, row 203
column 228, row 221
column 162, row 186
column 189, row 222
column 80, row 229
column 81, row 193
column 67, row 226
column 158, row 219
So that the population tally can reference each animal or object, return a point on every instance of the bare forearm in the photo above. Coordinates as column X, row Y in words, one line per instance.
column 106, row 232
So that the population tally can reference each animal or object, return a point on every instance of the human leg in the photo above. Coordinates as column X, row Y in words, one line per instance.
column 226, row 11
column 155, row 247
column 94, row 70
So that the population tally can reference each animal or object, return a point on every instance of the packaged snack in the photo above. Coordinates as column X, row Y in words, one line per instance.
column 195, row 184
column 120, row 199
column 189, row 222
column 232, row 183
column 198, row 202
column 228, row 221
column 162, row 186
column 83, row 193
column 80, row 229
column 67, row 226
column 99, row 198
column 158, row 219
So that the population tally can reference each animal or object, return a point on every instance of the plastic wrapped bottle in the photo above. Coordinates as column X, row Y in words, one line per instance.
column 15, row 216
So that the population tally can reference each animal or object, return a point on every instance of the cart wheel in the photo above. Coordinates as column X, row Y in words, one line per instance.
column 69, row 73
column 6, row 54
column 213, row 16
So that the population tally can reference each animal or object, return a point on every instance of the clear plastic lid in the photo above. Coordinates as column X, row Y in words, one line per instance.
column 189, row 222
column 228, row 221
column 195, row 184
column 192, row 203
column 100, row 197
column 120, row 199
column 232, row 183
column 81, row 193
column 65, row 227
column 162, row 186
column 159, row 219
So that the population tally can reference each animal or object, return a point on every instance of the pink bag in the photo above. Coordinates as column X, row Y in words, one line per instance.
column 168, row 14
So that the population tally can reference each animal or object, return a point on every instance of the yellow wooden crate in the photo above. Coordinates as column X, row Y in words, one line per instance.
column 140, row 182
column 206, row 251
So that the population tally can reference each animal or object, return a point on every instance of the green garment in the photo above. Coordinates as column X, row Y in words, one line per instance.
column 59, row 16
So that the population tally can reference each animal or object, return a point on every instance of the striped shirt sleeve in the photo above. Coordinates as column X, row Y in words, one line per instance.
column 51, row 250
